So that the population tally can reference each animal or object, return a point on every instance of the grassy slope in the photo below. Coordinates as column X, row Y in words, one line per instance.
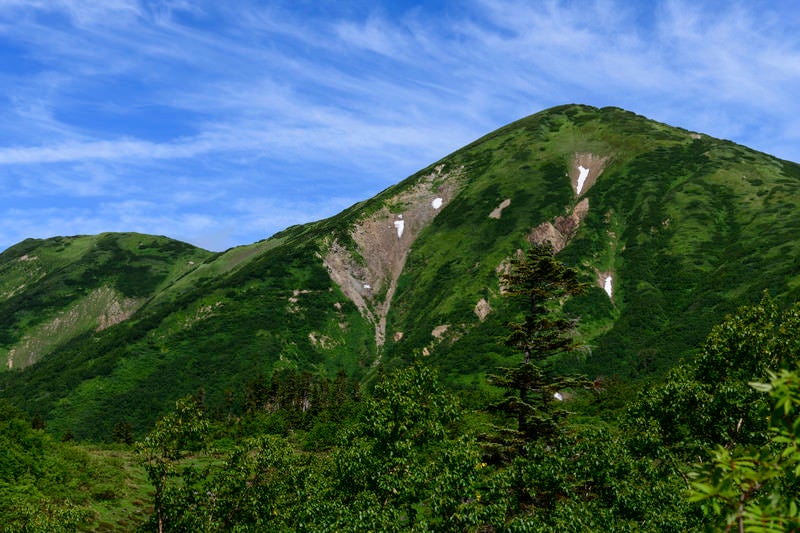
column 217, row 327
column 692, row 227
column 57, row 289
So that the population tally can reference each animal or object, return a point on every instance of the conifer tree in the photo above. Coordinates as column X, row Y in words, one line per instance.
column 540, row 283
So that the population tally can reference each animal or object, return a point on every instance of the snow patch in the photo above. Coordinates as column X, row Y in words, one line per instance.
column 437, row 203
column 585, row 168
column 584, row 173
column 607, row 286
column 400, row 225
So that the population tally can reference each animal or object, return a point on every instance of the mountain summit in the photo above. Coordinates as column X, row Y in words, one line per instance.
column 673, row 229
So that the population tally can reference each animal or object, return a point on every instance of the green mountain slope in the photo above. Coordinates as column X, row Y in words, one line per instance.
column 672, row 228
column 54, row 290
column 687, row 227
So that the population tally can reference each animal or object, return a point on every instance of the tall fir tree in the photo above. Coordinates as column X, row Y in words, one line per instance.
column 541, row 284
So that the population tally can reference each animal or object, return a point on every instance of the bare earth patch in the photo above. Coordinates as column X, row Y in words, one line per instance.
column 559, row 232
column 100, row 309
column 498, row 211
column 383, row 243
column 482, row 309
column 581, row 163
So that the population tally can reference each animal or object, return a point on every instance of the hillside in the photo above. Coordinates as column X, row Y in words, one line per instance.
column 672, row 228
column 54, row 290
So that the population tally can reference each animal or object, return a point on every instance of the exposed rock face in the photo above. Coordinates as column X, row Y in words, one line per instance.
column 369, row 278
column 482, row 309
column 559, row 232
column 117, row 309
column 439, row 331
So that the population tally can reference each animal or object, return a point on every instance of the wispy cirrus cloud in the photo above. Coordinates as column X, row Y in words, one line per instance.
column 200, row 110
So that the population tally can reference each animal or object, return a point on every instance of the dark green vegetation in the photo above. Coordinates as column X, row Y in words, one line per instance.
column 296, row 335
column 691, row 453
column 541, row 283
column 689, row 227
column 52, row 486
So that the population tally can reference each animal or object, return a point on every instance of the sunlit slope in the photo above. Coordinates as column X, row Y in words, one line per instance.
column 217, row 327
column 671, row 228
column 54, row 290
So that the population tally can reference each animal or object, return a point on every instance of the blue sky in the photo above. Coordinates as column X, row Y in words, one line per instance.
column 220, row 123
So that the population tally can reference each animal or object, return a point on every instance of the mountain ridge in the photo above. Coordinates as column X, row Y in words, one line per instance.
column 673, row 229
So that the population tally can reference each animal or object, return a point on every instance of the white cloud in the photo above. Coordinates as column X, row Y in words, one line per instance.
column 160, row 100
column 81, row 12
column 375, row 35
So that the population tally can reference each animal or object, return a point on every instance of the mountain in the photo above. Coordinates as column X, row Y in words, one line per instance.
column 673, row 229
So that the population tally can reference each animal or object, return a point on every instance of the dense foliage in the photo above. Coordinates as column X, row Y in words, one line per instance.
column 52, row 486
column 711, row 446
column 291, row 413
column 111, row 329
column 756, row 488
